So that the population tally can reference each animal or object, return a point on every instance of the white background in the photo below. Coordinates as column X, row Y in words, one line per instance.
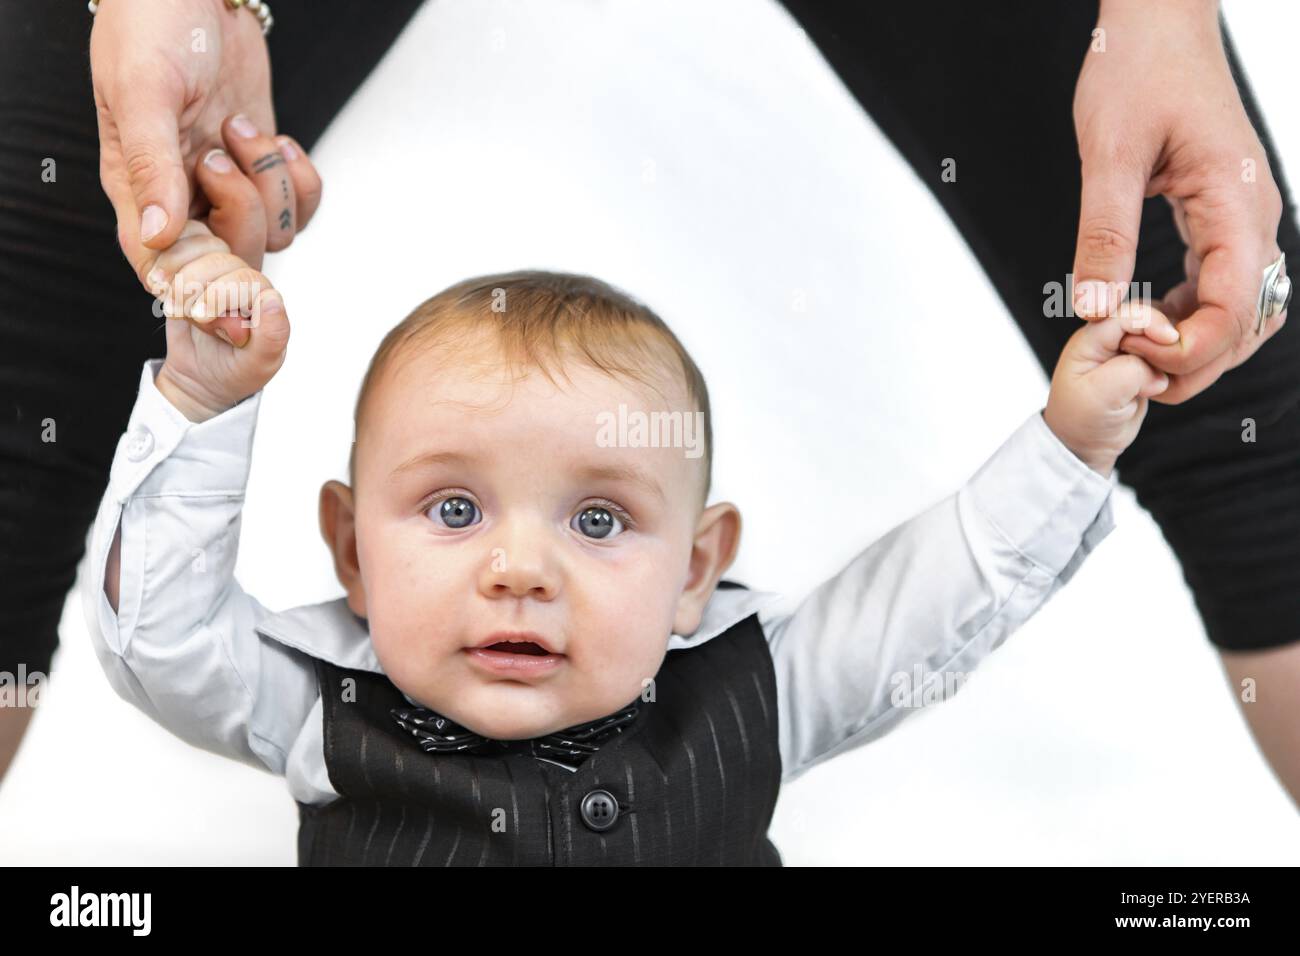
column 705, row 158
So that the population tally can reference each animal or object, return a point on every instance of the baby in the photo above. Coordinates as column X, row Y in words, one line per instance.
column 538, row 659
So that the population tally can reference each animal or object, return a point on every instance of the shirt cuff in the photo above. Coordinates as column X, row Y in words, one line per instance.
column 1043, row 499
column 211, row 457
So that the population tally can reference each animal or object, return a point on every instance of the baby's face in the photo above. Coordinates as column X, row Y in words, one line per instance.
column 488, row 511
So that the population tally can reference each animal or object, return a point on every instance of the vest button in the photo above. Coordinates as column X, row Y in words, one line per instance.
column 599, row 810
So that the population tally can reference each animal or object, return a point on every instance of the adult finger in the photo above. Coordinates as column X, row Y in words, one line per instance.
column 1179, row 210
column 237, row 214
column 1176, row 305
column 1146, row 319
column 1226, row 307
column 1180, row 301
column 140, row 256
column 306, row 180
column 146, row 120
column 1099, row 341
column 260, row 158
column 1110, row 212
column 1183, row 387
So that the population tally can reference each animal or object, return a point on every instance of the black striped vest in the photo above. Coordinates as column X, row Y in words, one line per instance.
column 692, row 781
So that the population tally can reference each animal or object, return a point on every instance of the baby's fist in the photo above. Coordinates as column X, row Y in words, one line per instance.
column 1099, row 394
column 227, row 330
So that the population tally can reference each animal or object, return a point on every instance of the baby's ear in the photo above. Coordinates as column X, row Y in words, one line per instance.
column 338, row 528
column 717, row 540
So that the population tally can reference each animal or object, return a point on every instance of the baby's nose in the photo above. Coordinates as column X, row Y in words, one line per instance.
column 521, row 565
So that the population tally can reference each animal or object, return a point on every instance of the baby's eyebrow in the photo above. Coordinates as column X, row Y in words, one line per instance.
column 625, row 473
column 428, row 458
column 603, row 472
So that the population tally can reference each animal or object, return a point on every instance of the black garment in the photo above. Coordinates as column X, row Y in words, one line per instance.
column 439, row 734
column 75, row 325
column 693, row 781
column 991, row 85
column 987, row 84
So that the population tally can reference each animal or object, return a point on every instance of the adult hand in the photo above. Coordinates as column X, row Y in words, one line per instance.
column 166, row 74
column 1157, row 112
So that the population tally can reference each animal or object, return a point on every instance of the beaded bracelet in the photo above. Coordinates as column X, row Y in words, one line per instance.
column 259, row 7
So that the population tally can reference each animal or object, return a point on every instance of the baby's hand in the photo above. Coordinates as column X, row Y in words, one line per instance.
column 1099, row 394
column 226, row 326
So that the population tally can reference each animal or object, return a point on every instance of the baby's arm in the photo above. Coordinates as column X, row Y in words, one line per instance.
column 174, row 631
column 915, row 612
column 180, row 641
column 904, row 623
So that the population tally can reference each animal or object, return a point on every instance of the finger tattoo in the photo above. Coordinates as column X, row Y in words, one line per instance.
column 286, row 217
column 269, row 161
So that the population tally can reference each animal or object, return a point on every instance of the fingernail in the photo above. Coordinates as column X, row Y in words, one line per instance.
column 243, row 127
column 218, row 161
column 1169, row 334
column 155, row 278
column 287, row 150
column 272, row 305
column 152, row 222
column 198, row 310
column 1091, row 299
column 225, row 338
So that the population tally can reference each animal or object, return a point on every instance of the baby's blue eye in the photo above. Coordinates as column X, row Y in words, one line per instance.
column 597, row 523
column 458, row 512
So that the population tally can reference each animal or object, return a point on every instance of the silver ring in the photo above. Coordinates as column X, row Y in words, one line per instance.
column 1274, row 294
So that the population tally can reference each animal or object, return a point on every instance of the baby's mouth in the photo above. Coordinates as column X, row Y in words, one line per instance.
column 529, row 643
column 516, row 654
column 519, row 647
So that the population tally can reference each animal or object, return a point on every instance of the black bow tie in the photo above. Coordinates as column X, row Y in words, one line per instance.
column 437, row 734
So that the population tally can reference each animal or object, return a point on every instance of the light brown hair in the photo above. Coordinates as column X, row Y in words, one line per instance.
column 541, row 319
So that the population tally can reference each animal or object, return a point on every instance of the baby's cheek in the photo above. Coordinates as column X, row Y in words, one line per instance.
column 416, row 630
column 396, row 632
column 390, row 648
column 649, row 659
column 624, row 658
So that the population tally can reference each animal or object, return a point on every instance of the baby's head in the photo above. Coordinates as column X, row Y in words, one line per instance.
column 500, row 485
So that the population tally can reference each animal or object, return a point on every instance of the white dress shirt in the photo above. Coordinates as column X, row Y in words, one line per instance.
column 207, row 661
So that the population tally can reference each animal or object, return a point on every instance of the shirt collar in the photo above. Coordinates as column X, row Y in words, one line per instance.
column 330, row 631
